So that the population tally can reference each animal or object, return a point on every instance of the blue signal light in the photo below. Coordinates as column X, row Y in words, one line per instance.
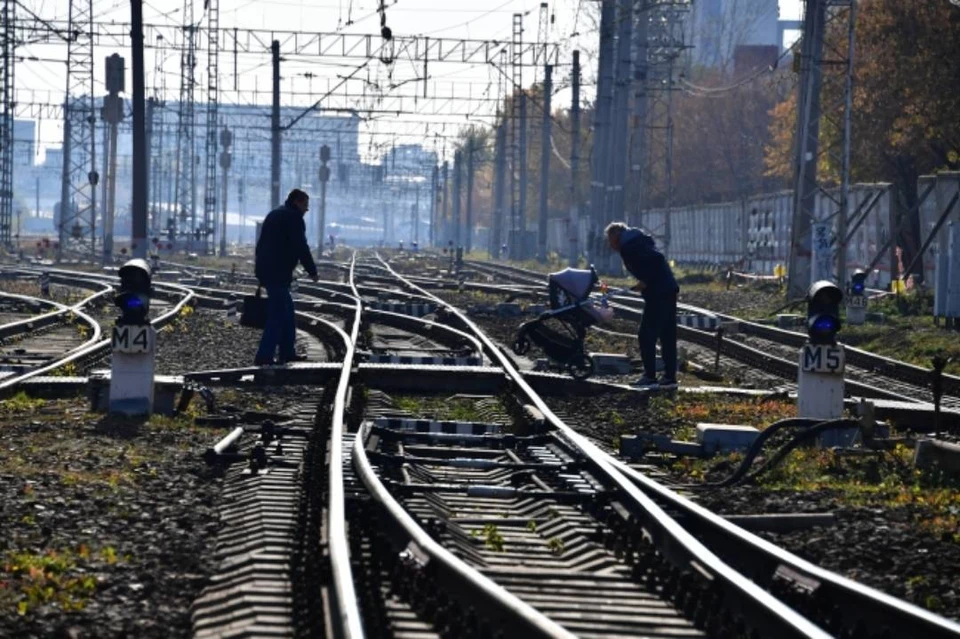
column 130, row 302
column 825, row 325
column 857, row 288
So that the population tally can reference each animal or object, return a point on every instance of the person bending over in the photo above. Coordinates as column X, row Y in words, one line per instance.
column 659, row 288
column 282, row 244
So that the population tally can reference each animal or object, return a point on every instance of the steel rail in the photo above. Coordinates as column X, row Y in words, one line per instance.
column 10, row 383
column 345, row 599
column 881, row 609
column 491, row 597
column 98, row 347
column 765, row 612
column 867, row 603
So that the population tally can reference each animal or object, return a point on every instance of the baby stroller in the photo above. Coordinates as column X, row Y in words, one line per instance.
column 561, row 331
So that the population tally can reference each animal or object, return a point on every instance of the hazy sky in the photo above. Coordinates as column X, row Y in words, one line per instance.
column 489, row 20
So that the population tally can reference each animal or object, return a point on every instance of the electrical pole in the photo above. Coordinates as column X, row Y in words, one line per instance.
column 324, row 178
column 544, row 165
column 210, row 149
column 112, row 113
column 522, row 214
column 226, row 159
column 808, row 134
column 499, row 191
column 434, row 201
column 457, row 168
column 573, row 224
column 471, row 151
column 151, row 174
column 138, row 209
column 445, row 208
column 7, row 59
column 601, row 125
column 275, row 129
column 614, row 208
column 639, row 125
column 183, row 170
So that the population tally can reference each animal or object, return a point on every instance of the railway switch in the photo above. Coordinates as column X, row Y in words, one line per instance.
column 132, row 343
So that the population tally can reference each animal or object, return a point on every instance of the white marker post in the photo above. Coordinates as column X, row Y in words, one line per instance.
column 132, row 342
column 820, row 382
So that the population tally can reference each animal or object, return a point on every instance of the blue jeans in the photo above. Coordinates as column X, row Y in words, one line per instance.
column 659, row 322
column 280, row 329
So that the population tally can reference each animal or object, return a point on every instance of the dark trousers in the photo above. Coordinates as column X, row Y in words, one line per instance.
column 280, row 329
column 659, row 322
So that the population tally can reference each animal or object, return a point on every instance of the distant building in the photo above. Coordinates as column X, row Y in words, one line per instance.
column 24, row 142
column 716, row 28
column 408, row 159
column 54, row 159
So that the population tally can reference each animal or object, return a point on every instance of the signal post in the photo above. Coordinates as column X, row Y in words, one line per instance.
column 822, row 360
column 132, row 343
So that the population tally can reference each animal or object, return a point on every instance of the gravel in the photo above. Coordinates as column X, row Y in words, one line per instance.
column 116, row 520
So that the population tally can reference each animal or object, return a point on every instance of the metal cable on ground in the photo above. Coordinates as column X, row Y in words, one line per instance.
column 813, row 429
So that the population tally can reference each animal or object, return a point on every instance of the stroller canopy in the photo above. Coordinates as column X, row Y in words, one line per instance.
column 576, row 282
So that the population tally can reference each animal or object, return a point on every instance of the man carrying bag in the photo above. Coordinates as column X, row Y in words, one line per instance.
column 282, row 244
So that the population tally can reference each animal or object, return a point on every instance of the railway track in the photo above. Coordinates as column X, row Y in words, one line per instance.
column 55, row 349
column 775, row 350
column 512, row 523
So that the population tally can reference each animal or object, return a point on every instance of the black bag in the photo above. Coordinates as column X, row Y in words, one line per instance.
column 254, row 313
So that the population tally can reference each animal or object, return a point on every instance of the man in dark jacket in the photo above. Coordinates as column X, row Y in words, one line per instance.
column 656, row 283
column 282, row 243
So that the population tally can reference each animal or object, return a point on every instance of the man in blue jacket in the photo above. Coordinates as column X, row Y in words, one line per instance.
column 656, row 283
column 282, row 243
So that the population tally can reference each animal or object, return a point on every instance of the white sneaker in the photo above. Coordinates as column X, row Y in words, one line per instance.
column 645, row 382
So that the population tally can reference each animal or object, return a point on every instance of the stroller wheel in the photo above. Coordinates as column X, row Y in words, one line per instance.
column 522, row 345
column 580, row 366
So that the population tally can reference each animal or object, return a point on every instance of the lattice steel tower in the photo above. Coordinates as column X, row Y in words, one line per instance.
column 185, row 172
column 210, row 150
column 78, row 192
column 517, row 222
column 662, row 46
column 7, row 45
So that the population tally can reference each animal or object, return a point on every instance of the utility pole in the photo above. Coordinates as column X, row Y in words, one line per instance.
column 275, row 129
column 544, row 164
column 112, row 113
column 183, row 170
column 151, row 174
column 210, row 149
column 434, row 201
column 573, row 224
column 324, row 178
column 601, row 126
column 522, row 214
column 639, row 125
column 241, row 188
column 499, row 190
column 138, row 209
column 457, row 168
column 808, row 134
column 445, row 209
column 415, row 221
column 7, row 84
column 471, row 151
column 226, row 159
column 614, row 207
